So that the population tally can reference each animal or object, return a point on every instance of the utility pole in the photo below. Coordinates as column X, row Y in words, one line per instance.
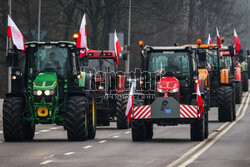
column 39, row 20
column 129, row 30
column 8, row 48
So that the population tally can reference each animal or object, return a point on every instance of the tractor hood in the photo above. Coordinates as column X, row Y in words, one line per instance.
column 168, row 83
column 45, row 81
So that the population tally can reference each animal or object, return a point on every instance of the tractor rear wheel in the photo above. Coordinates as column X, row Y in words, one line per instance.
column 244, row 81
column 13, row 129
column 92, row 119
column 198, row 128
column 238, row 93
column 76, row 118
column 138, row 129
column 122, row 121
column 225, row 103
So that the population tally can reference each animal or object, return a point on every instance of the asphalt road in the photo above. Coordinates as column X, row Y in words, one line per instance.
column 228, row 145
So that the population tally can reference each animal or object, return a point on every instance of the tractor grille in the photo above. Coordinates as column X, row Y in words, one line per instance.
column 38, row 99
column 49, row 83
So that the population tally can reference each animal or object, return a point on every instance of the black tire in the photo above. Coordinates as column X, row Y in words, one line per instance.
column 76, row 118
column 92, row 119
column 206, row 125
column 238, row 93
column 244, row 81
column 149, row 130
column 225, row 103
column 234, row 106
column 138, row 129
column 13, row 129
column 122, row 120
column 197, row 129
column 29, row 130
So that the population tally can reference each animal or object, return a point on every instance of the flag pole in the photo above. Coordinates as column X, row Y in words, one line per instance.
column 8, row 47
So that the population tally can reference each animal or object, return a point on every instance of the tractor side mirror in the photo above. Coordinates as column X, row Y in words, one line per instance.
column 125, row 55
column 9, row 59
column 85, row 61
column 202, row 58
column 231, row 50
column 248, row 53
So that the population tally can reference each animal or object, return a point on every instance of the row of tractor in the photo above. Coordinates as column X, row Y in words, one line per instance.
column 78, row 88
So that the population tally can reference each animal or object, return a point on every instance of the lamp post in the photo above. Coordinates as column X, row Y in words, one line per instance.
column 129, row 31
column 9, row 47
column 39, row 20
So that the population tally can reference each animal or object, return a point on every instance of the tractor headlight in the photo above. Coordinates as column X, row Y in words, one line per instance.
column 49, row 92
column 37, row 92
column 101, row 87
column 174, row 90
column 160, row 90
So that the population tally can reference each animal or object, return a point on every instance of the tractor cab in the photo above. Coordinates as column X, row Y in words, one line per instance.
column 174, row 69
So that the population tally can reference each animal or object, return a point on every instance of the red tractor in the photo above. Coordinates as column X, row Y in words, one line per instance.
column 107, row 85
column 168, row 96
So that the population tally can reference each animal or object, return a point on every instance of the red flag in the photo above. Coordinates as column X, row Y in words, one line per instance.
column 118, row 48
column 14, row 33
column 236, row 42
column 130, row 104
column 218, row 38
column 209, row 41
column 81, row 41
column 199, row 100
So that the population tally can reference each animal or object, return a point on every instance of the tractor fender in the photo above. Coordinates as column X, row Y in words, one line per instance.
column 237, row 74
column 120, row 86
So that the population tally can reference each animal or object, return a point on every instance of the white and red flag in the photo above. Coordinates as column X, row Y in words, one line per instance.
column 81, row 41
column 199, row 100
column 218, row 41
column 118, row 48
column 209, row 41
column 14, row 33
column 130, row 104
column 236, row 42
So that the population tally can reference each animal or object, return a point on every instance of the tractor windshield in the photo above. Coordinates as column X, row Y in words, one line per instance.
column 212, row 59
column 49, row 58
column 226, row 62
column 175, row 62
column 105, row 65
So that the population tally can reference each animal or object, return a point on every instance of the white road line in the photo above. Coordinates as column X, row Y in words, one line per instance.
column 49, row 156
column 46, row 130
column 1, row 131
column 69, row 153
column 1, row 141
column 87, row 147
column 102, row 141
column 116, row 136
column 183, row 157
column 37, row 133
column 46, row 162
column 128, row 132
column 195, row 156
column 54, row 128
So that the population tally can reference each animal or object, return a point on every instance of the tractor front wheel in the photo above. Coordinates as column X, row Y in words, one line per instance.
column 198, row 128
column 92, row 119
column 13, row 128
column 238, row 93
column 244, row 81
column 29, row 130
column 76, row 122
column 122, row 121
column 138, row 129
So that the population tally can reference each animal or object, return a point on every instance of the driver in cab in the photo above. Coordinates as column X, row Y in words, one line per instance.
column 171, row 67
column 52, row 61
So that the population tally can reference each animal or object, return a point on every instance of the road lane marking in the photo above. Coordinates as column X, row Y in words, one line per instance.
column 102, row 141
column 116, row 136
column 128, row 132
column 1, row 141
column 1, row 131
column 54, row 128
column 49, row 156
column 69, row 153
column 46, row 162
column 87, row 147
column 196, row 155
column 211, row 136
column 37, row 133
column 46, row 130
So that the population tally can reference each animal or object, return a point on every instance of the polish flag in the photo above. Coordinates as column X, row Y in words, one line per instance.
column 218, row 41
column 130, row 104
column 118, row 48
column 218, row 38
column 81, row 41
column 236, row 42
column 14, row 33
column 199, row 100
column 209, row 41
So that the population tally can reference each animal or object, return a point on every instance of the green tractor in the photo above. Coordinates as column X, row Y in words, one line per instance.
column 48, row 87
column 242, row 62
